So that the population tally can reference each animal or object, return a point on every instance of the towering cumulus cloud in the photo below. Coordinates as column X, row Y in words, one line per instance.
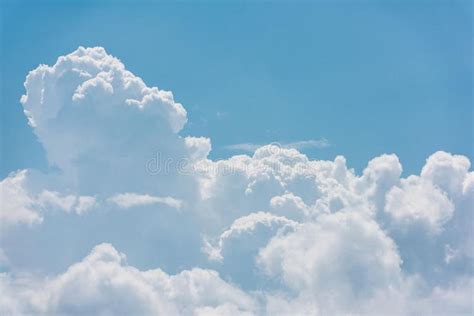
column 102, row 126
column 275, row 233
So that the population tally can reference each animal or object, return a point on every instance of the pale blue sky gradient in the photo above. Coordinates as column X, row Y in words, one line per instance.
column 368, row 76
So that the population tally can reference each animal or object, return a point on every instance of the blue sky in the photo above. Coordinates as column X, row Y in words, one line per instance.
column 370, row 77
column 339, row 180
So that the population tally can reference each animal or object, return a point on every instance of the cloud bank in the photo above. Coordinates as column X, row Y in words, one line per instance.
column 274, row 233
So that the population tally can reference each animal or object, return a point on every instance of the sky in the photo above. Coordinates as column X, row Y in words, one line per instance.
column 236, row 158
column 370, row 77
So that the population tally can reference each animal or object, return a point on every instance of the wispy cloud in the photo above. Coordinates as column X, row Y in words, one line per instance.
column 127, row 200
column 248, row 147
column 305, row 144
column 300, row 145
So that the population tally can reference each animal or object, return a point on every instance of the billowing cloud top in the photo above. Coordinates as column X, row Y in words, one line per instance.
column 275, row 233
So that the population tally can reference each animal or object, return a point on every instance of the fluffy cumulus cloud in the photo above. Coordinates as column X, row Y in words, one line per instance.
column 247, row 224
column 20, row 205
column 417, row 200
column 102, row 283
column 337, row 263
column 272, row 233
column 106, row 129
column 16, row 203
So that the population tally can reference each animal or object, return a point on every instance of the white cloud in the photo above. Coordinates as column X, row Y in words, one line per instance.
column 454, row 299
column 103, row 284
column 106, row 130
column 76, row 87
column 299, row 235
column 381, row 174
column 290, row 206
column 247, row 224
column 127, row 200
column 52, row 200
column 343, row 259
column 85, row 203
column 16, row 204
column 446, row 171
column 19, row 204
column 468, row 185
column 199, row 146
column 92, row 73
column 245, row 147
column 305, row 144
column 419, row 201
column 55, row 200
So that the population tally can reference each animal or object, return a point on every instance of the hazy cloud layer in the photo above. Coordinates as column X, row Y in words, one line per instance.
column 299, row 145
